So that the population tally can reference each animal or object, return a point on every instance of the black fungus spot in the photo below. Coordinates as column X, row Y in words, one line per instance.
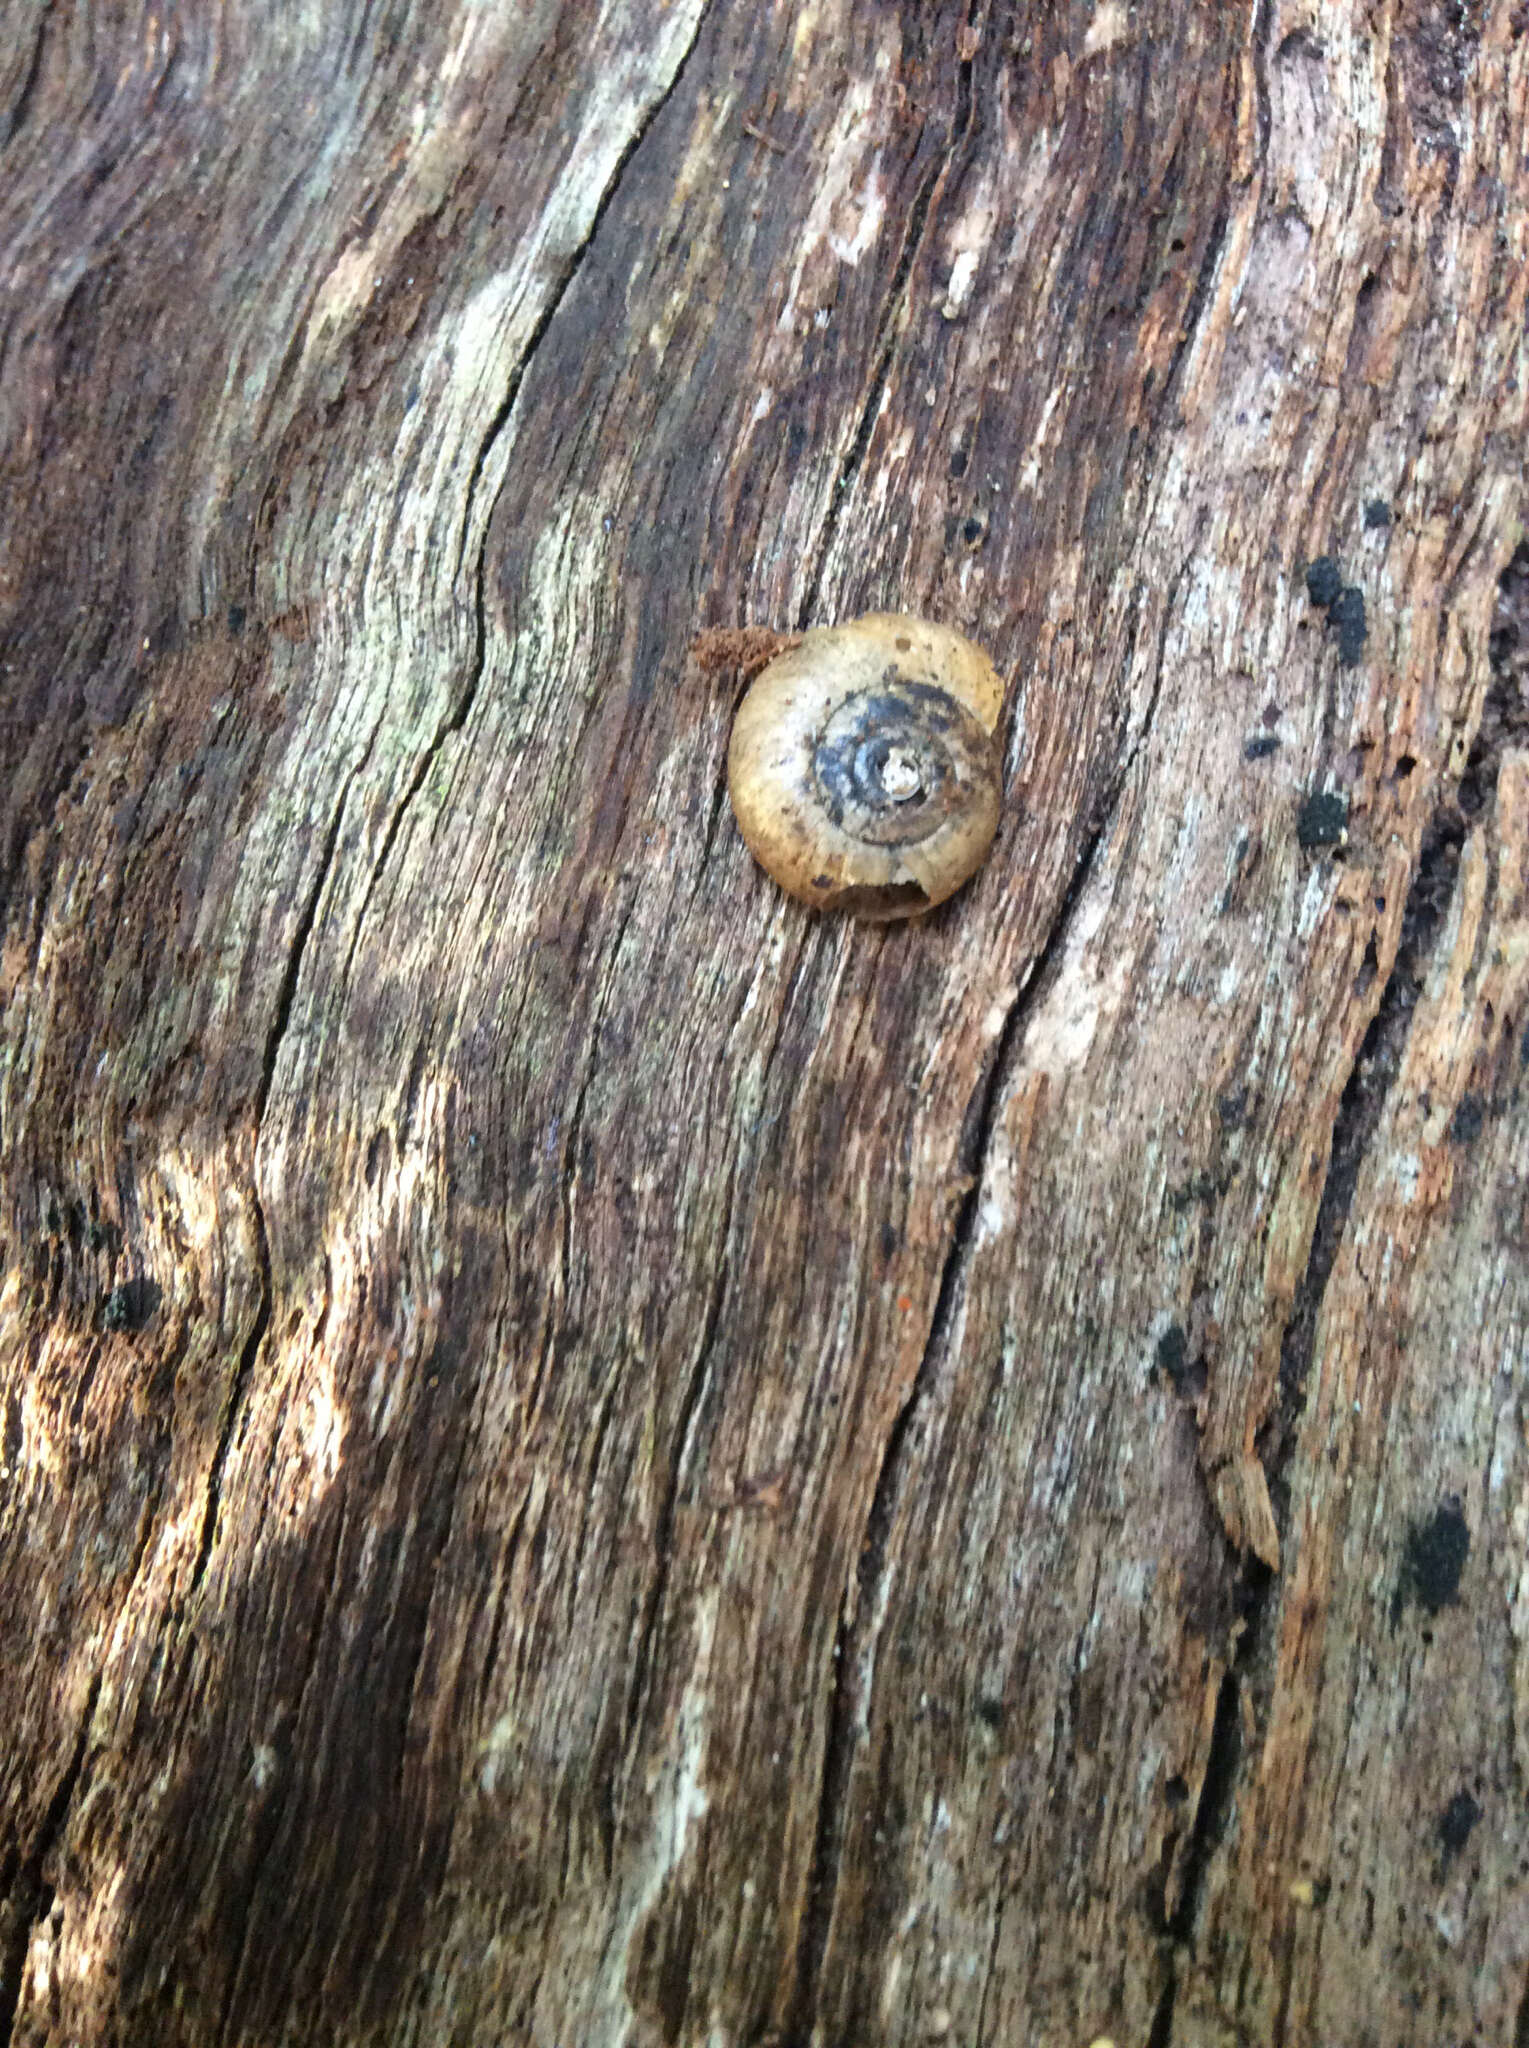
column 1456, row 1822
column 1299, row 43
column 1233, row 1109
column 1324, row 580
column 1176, row 1791
column 974, row 530
column 1186, row 1377
column 1259, row 749
column 958, row 461
column 1405, row 763
column 1377, row 512
column 1172, row 1351
column 236, row 618
column 1322, row 819
column 130, row 1306
column 1346, row 613
column 1435, row 1558
column 1465, row 1126
column 1369, row 966
column 990, row 1713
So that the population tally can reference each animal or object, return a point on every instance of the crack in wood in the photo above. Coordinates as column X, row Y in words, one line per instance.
column 663, row 1534
column 32, row 1893
column 1505, row 718
column 851, row 1645
column 285, row 997
column 1212, row 1816
column 267, row 1826
column 458, row 713
column 891, row 328
column 973, row 1151
column 1374, row 1072
column 28, row 87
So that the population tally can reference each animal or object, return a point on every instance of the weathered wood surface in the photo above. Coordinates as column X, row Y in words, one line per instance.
column 586, row 1458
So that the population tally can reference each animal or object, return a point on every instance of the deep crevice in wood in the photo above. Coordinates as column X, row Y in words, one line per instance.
column 457, row 716
column 972, row 1153
column 31, row 1893
column 973, row 1150
column 892, row 320
column 1214, row 1805
column 1162, row 2018
column 265, row 1833
column 28, row 87
column 1504, row 721
column 285, row 997
column 663, row 1534
column 572, row 265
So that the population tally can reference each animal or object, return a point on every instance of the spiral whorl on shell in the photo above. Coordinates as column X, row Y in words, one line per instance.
column 863, row 770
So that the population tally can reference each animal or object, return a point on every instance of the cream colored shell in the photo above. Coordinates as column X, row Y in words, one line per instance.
column 863, row 770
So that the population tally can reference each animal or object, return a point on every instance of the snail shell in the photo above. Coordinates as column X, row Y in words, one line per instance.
column 863, row 769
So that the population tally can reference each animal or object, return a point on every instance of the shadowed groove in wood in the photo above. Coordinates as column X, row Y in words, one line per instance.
column 30, row 1895
column 280, row 1019
column 1213, row 1811
column 456, row 716
column 859, row 1627
column 28, row 85
column 891, row 322
column 1374, row 1073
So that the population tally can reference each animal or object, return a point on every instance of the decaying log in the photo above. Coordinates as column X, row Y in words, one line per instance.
column 588, row 1458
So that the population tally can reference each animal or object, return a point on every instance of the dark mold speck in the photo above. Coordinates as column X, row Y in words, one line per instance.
column 1233, row 1109
column 1324, row 580
column 1468, row 1119
column 1376, row 513
column 1456, row 1822
column 1261, row 748
column 1434, row 1560
column 1347, row 614
column 1186, row 1378
column 1322, row 819
column 130, row 1306
column 1172, row 1350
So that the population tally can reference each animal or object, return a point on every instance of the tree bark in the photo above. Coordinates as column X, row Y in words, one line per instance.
column 589, row 1457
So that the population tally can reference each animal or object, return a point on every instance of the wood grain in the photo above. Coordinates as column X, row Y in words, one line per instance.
column 588, row 1457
